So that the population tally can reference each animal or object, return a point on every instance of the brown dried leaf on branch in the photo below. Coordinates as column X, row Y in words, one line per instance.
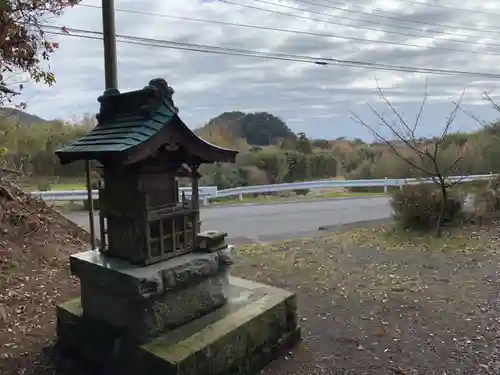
column 23, row 43
column 6, row 193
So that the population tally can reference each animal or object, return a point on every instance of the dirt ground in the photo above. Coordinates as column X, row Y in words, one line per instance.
column 371, row 301
column 376, row 302
column 35, row 243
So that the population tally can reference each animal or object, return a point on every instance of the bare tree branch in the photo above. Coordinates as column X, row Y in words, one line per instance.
column 490, row 127
column 8, row 170
column 394, row 150
column 426, row 160
column 490, row 100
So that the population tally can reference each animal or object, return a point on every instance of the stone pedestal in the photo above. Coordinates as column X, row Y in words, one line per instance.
column 256, row 324
column 185, row 315
column 145, row 301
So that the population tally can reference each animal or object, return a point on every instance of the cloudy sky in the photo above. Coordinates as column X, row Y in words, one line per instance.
column 311, row 98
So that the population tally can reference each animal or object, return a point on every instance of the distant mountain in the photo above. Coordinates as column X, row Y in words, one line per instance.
column 259, row 128
column 24, row 118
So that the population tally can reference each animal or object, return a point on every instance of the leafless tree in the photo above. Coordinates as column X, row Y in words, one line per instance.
column 424, row 157
column 491, row 127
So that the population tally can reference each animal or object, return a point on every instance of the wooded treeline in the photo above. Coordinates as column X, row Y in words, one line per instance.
column 280, row 156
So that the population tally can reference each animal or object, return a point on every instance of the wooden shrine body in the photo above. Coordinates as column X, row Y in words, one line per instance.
column 144, row 148
column 147, row 218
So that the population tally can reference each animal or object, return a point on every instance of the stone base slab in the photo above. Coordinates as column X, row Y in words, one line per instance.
column 120, row 277
column 146, row 301
column 240, row 338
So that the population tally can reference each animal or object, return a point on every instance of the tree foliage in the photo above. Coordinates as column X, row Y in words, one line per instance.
column 263, row 129
column 29, row 147
column 23, row 43
column 303, row 144
column 323, row 144
column 257, row 129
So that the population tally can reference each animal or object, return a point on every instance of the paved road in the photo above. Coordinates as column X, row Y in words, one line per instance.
column 271, row 222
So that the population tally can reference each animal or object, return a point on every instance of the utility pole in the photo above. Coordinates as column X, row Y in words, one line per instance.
column 109, row 37
column 111, row 81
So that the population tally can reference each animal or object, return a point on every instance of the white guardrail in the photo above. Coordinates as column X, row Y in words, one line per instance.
column 205, row 192
column 208, row 192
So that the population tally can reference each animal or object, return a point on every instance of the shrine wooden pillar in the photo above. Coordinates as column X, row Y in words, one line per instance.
column 195, row 200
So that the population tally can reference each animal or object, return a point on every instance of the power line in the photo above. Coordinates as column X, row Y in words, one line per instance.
column 453, row 8
column 88, row 34
column 340, row 24
column 457, row 25
column 195, row 49
column 298, row 32
column 367, row 21
column 380, row 13
column 328, row 6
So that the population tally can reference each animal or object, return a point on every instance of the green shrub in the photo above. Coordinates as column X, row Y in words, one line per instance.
column 301, row 191
column 44, row 186
column 418, row 206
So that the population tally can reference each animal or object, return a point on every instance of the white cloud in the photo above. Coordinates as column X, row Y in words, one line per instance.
column 311, row 98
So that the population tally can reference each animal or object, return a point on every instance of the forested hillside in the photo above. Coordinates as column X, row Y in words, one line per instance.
column 21, row 117
column 258, row 129
column 269, row 151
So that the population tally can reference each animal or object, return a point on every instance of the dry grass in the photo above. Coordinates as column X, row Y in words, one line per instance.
column 380, row 302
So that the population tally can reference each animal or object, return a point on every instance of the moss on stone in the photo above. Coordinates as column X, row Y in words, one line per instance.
column 238, row 339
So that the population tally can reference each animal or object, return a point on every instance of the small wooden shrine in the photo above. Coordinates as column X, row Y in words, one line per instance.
column 144, row 147
column 148, row 303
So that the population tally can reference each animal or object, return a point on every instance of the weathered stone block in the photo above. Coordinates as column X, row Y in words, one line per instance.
column 122, row 278
column 144, row 319
column 145, row 301
column 239, row 338
column 211, row 241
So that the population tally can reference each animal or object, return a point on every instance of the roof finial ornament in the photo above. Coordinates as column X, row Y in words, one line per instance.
column 111, row 91
column 166, row 91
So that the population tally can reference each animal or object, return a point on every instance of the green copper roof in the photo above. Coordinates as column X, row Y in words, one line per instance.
column 121, row 133
column 135, row 124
